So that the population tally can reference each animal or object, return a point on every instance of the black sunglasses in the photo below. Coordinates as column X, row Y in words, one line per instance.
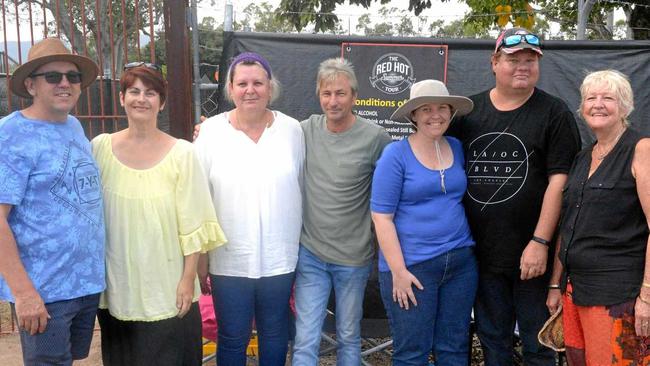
column 55, row 77
column 148, row 65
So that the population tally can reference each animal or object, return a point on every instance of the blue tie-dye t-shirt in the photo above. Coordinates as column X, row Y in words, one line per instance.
column 48, row 175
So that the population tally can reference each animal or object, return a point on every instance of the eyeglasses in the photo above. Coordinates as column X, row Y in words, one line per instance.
column 148, row 65
column 55, row 77
column 516, row 39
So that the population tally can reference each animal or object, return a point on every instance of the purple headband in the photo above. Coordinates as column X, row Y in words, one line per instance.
column 250, row 57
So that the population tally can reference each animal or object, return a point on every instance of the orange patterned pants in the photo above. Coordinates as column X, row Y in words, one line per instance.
column 602, row 335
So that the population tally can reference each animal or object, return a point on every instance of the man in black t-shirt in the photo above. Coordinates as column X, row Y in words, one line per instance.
column 519, row 143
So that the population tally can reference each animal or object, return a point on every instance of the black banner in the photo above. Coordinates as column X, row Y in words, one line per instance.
column 294, row 59
column 385, row 73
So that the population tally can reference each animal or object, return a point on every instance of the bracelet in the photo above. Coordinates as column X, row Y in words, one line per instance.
column 645, row 284
column 537, row 239
column 554, row 287
column 643, row 300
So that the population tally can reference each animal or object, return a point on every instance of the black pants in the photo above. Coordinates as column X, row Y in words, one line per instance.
column 167, row 342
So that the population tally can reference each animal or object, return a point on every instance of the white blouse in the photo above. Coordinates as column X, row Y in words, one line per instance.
column 256, row 190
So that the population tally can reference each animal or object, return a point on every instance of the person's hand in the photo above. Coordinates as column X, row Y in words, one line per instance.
column 31, row 313
column 205, row 286
column 184, row 295
column 642, row 317
column 197, row 128
column 533, row 260
column 203, row 281
column 202, row 271
column 403, row 282
column 553, row 300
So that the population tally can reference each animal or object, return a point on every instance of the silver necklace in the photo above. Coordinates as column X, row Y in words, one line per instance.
column 601, row 155
column 442, row 170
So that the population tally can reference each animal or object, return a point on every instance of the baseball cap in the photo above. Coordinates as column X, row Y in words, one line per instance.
column 516, row 39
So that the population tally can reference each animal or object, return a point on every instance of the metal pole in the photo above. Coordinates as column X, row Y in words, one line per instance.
column 610, row 22
column 227, row 18
column 194, row 23
column 584, row 8
column 628, row 29
column 581, row 21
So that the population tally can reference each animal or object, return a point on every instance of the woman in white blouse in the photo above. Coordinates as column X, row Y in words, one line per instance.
column 253, row 159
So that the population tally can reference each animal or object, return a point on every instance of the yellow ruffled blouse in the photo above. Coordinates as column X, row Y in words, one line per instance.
column 154, row 217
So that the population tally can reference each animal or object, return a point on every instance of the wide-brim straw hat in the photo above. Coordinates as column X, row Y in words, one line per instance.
column 431, row 91
column 46, row 51
column 552, row 333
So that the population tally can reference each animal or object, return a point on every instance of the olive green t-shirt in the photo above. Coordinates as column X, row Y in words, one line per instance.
column 338, row 172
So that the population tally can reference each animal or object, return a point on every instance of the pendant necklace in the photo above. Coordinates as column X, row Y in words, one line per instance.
column 442, row 170
column 601, row 155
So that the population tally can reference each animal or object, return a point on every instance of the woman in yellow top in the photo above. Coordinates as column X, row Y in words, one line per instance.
column 159, row 218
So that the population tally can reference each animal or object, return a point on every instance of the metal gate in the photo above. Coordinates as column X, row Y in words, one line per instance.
column 112, row 33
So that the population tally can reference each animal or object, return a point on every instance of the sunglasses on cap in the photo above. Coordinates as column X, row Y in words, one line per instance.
column 148, row 65
column 516, row 39
column 55, row 77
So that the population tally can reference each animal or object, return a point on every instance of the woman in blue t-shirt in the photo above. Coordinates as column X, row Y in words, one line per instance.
column 425, row 241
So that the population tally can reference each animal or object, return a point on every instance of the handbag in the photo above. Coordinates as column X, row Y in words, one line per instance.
column 552, row 333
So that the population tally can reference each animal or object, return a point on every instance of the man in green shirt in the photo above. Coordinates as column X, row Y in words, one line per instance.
column 336, row 241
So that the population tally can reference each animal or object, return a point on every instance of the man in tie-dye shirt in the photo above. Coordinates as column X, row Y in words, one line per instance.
column 51, row 215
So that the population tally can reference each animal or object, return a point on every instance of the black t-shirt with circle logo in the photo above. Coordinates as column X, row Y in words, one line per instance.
column 509, row 157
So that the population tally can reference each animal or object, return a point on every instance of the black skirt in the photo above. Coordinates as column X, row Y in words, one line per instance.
column 167, row 342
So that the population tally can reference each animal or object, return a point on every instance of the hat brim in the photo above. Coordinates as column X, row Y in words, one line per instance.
column 520, row 47
column 461, row 105
column 86, row 66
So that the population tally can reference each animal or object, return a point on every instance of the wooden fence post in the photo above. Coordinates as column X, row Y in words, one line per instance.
column 177, row 47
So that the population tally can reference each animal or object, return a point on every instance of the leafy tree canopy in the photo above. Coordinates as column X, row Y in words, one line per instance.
column 484, row 14
column 110, row 29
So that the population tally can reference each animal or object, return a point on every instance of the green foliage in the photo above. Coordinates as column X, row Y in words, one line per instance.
column 210, row 41
column 105, row 30
column 565, row 12
column 640, row 22
column 457, row 29
column 395, row 22
column 265, row 19
column 300, row 13
column 145, row 50
column 484, row 15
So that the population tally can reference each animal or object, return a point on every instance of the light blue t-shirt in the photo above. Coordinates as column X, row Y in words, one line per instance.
column 428, row 221
column 48, row 174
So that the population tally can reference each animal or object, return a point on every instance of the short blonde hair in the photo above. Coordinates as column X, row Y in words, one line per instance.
column 331, row 68
column 613, row 81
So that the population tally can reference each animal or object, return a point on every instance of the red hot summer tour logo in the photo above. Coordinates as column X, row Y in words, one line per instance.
column 392, row 73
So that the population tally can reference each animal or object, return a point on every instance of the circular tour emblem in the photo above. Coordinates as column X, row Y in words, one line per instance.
column 392, row 73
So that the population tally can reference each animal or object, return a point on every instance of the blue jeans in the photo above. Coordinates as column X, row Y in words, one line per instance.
column 314, row 281
column 442, row 317
column 502, row 299
column 237, row 300
column 67, row 335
